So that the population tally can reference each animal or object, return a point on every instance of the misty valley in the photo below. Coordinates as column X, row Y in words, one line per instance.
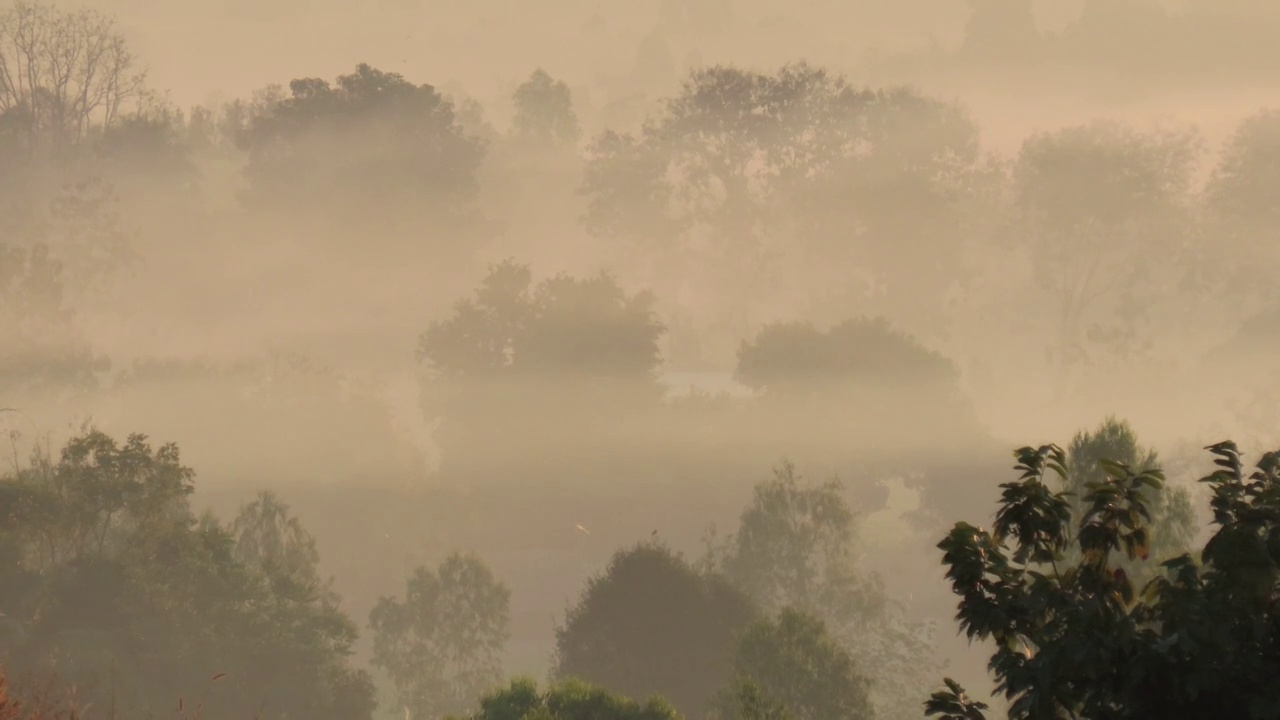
column 685, row 359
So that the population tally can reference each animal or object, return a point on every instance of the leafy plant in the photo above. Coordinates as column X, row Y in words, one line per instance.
column 1079, row 640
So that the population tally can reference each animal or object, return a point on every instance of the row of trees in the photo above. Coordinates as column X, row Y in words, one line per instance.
column 568, row 370
column 114, row 584
column 111, row 581
column 743, row 192
column 794, row 184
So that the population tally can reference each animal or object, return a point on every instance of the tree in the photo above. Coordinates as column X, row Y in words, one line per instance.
column 544, row 111
column 1244, row 213
column 442, row 643
column 371, row 148
column 748, row 702
column 86, row 233
column 792, row 661
column 765, row 185
column 1172, row 522
column 568, row 700
column 1249, row 164
column 796, row 359
column 63, row 74
column 652, row 625
column 866, row 380
column 45, row 352
column 134, row 601
column 1093, row 205
column 272, row 541
column 794, row 552
column 522, row 368
column 1200, row 641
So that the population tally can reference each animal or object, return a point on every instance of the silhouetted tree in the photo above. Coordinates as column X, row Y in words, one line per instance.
column 370, row 148
column 136, row 602
column 63, row 74
column 652, row 625
column 1171, row 522
column 1080, row 639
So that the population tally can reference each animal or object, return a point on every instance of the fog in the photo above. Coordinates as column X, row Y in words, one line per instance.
column 542, row 281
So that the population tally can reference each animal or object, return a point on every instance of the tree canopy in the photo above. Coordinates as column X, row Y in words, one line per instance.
column 544, row 111
column 791, row 661
column 369, row 146
column 556, row 364
column 136, row 602
column 651, row 624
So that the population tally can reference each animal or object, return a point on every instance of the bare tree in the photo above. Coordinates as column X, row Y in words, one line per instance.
column 63, row 73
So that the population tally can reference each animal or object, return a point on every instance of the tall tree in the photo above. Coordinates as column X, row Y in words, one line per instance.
column 1103, row 212
column 757, row 184
column 63, row 74
column 1245, row 214
column 441, row 644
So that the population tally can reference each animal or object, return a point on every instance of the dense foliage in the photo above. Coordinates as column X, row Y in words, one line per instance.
column 1199, row 641
column 651, row 624
column 132, row 599
column 792, row 664
column 861, row 278
column 568, row 700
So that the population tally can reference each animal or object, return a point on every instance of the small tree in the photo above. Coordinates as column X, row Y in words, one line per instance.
column 544, row 111
column 790, row 667
column 1172, row 518
column 794, row 552
column 441, row 644
column 1078, row 640
column 653, row 625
